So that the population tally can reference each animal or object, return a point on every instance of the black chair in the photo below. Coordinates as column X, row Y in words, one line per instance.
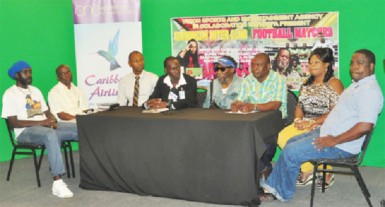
column 25, row 148
column 292, row 102
column 201, row 96
column 22, row 148
column 351, row 162
column 67, row 149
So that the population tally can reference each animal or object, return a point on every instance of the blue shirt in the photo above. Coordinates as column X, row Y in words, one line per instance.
column 362, row 101
column 224, row 101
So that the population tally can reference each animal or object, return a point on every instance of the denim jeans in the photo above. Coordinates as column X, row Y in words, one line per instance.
column 299, row 149
column 52, row 139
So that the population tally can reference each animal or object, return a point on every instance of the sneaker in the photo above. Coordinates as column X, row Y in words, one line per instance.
column 60, row 189
column 327, row 184
column 301, row 182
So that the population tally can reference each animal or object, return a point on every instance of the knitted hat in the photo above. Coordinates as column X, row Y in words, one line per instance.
column 17, row 67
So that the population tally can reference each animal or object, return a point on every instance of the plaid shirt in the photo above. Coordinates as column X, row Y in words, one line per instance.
column 273, row 88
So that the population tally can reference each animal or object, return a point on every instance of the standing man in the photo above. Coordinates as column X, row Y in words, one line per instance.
column 65, row 99
column 173, row 90
column 135, row 88
column 264, row 90
column 340, row 136
column 225, row 88
column 27, row 113
column 323, row 43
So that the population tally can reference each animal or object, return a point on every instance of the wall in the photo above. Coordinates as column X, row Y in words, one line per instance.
column 362, row 25
column 41, row 32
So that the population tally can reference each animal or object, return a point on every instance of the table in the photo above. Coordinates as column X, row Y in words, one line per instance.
column 194, row 154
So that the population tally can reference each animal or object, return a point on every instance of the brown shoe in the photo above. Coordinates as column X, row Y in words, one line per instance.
column 266, row 172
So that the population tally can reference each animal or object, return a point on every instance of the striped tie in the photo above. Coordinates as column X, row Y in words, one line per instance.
column 136, row 91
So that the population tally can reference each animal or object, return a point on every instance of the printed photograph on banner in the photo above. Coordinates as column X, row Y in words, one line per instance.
column 287, row 38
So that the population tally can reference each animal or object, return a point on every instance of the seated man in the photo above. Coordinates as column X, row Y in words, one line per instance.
column 28, row 114
column 225, row 87
column 140, row 79
column 173, row 90
column 65, row 99
column 264, row 90
column 341, row 134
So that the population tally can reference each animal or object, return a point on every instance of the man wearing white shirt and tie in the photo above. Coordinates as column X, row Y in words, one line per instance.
column 135, row 88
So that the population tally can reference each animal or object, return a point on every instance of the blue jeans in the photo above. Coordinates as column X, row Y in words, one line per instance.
column 52, row 139
column 299, row 149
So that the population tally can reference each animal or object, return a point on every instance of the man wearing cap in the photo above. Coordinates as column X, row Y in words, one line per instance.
column 65, row 99
column 264, row 90
column 225, row 87
column 27, row 113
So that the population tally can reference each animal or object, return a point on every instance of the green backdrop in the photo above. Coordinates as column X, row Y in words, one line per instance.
column 41, row 32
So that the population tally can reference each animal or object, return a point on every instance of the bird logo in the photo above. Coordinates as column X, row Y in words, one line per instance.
column 111, row 53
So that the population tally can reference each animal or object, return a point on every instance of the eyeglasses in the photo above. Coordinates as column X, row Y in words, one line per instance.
column 219, row 68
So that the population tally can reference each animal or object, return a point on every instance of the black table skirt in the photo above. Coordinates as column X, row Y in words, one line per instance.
column 195, row 154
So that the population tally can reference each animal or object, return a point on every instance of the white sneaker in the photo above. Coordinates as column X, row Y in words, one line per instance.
column 60, row 189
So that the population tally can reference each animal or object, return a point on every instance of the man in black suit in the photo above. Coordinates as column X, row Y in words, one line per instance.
column 173, row 90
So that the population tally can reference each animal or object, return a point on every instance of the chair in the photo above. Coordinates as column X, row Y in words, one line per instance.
column 351, row 162
column 292, row 102
column 201, row 96
column 22, row 148
column 67, row 148
column 25, row 148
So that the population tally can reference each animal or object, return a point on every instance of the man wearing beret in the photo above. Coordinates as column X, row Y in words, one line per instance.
column 27, row 113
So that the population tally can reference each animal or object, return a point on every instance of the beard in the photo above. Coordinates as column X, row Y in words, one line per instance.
column 283, row 64
column 25, row 81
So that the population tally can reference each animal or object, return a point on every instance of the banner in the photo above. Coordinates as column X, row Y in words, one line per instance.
column 106, row 31
column 287, row 38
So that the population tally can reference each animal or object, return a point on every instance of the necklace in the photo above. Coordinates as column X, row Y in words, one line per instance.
column 24, row 91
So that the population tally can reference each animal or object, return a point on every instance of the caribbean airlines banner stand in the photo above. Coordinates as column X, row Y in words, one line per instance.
column 287, row 38
column 106, row 31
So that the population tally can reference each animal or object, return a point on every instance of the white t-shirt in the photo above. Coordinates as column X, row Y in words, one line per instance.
column 71, row 101
column 26, row 104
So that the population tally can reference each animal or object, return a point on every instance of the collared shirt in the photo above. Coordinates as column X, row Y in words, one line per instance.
column 71, row 101
column 181, row 81
column 273, row 88
column 147, row 82
column 224, row 100
column 362, row 101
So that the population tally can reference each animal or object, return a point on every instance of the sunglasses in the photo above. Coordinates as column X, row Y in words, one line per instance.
column 219, row 68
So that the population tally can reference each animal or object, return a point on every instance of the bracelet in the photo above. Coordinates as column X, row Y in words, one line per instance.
column 312, row 122
column 297, row 119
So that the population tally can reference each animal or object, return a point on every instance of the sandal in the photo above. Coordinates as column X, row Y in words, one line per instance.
column 267, row 197
column 327, row 184
column 301, row 182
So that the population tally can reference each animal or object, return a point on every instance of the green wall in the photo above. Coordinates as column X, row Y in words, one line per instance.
column 41, row 32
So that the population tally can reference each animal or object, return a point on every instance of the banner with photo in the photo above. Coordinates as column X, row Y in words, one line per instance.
column 106, row 31
column 287, row 38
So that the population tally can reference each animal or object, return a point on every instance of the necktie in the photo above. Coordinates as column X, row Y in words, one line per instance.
column 136, row 91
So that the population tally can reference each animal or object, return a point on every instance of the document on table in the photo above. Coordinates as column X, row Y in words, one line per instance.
column 155, row 111
column 240, row 112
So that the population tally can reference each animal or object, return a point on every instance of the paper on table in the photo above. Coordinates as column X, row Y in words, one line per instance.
column 240, row 112
column 155, row 111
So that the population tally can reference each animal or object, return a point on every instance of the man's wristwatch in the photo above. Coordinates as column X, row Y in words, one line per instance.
column 256, row 107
